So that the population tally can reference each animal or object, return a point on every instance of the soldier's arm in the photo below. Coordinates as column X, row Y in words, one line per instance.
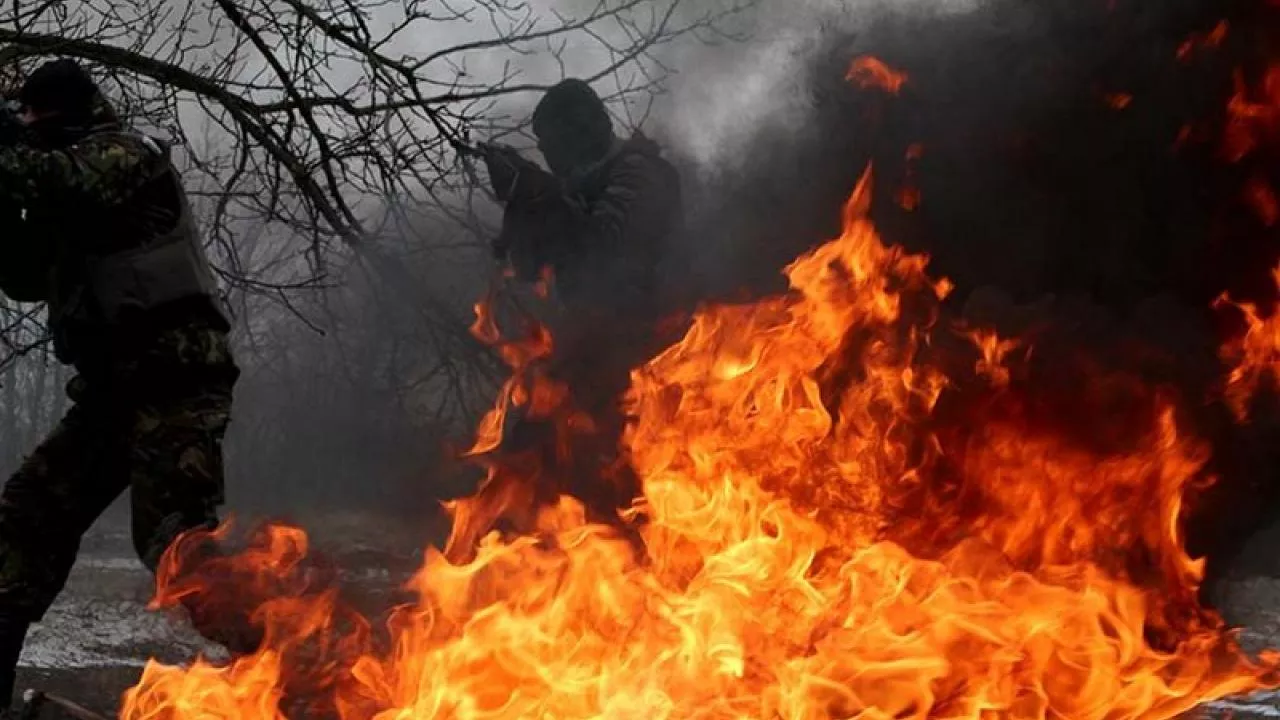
column 633, row 191
column 96, row 171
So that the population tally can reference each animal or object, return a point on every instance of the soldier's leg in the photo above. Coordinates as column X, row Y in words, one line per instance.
column 597, row 366
column 176, row 475
column 62, row 487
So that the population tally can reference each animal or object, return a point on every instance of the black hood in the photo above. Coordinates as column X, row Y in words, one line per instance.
column 71, row 101
column 60, row 131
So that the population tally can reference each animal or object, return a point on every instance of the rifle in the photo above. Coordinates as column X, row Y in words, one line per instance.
column 525, row 174
column 530, row 236
column 500, row 153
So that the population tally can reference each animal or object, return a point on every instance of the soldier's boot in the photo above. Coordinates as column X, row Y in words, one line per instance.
column 13, row 633
column 224, row 626
column 217, row 608
column 220, row 611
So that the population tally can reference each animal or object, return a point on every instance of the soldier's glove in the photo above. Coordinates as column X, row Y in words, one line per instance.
column 536, row 189
column 505, row 166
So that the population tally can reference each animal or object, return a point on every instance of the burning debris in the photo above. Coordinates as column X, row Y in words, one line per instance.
column 822, row 538
column 857, row 501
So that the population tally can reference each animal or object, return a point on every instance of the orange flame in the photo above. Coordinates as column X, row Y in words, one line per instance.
column 308, row 640
column 814, row 548
column 540, row 398
column 1210, row 41
column 1254, row 357
column 1253, row 125
column 1252, row 122
column 869, row 72
column 994, row 351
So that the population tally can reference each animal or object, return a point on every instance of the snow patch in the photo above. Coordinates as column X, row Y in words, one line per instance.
column 81, row 633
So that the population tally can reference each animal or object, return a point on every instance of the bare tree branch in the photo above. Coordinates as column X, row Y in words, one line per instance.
column 324, row 145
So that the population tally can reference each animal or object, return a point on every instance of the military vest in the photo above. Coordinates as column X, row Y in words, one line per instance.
column 96, row 294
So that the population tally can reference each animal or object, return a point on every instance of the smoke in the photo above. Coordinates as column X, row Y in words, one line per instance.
column 1037, row 189
column 1033, row 177
column 727, row 94
column 1069, row 171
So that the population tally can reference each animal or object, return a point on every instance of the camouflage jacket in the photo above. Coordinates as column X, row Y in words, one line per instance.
column 603, row 231
column 104, row 191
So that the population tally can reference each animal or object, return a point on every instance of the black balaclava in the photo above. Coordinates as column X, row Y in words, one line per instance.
column 64, row 90
column 573, row 127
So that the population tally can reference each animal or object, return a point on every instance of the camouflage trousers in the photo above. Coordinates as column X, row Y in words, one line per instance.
column 163, row 445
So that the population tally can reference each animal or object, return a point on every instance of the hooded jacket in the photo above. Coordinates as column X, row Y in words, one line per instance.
column 107, row 238
column 602, row 230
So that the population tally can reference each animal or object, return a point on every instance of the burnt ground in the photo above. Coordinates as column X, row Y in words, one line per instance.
column 94, row 641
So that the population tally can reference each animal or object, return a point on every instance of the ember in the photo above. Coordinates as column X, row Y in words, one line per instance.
column 1119, row 101
column 781, row 445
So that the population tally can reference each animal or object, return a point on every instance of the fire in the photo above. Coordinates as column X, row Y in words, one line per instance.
column 994, row 350
column 1254, row 357
column 870, row 72
column 818, row 544
column 530, row 394
column 1253, row 128
column 1211, row 40
column 1253, row 115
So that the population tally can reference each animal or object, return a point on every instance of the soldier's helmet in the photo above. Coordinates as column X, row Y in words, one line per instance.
column 573, row 127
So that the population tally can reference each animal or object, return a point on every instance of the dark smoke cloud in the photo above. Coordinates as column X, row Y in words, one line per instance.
column 1041, row 198
column 1070, row 172
column 1031, row 179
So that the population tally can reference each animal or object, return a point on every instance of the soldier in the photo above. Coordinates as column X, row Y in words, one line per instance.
column 109, row 244
column 600, row 221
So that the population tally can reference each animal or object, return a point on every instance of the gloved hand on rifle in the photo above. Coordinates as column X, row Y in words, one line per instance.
column 513, row 176
column 535, row 218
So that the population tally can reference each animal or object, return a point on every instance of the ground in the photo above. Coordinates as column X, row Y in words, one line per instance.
column 92, row 644
column 94, row 641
